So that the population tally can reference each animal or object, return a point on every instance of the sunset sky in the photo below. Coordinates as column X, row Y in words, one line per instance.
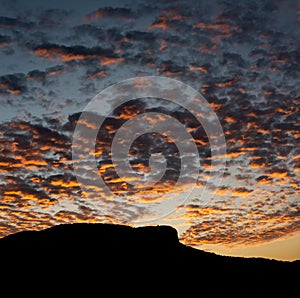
column 242, row 56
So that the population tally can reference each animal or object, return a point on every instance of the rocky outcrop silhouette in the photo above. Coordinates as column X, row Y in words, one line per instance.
column 91, row 255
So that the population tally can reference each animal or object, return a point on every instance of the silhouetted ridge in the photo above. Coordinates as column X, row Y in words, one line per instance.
column 101, row 235
column 102, row 252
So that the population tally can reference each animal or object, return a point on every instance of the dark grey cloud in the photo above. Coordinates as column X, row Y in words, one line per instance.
column 111, row 12
column 76, row 52
column 53, row 17
column 4, row 40
column 13, row 83
column 8, row 23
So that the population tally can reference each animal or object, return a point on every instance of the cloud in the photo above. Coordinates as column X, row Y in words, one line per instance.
column 70, row 53
column 36, row 168
column 42, row 76
column 110, row 12
column 13, row 84
column 244, row 59
column 7, row 23
column 5, row 40
column 233, row 226
column 170, row 68
column 53, row 17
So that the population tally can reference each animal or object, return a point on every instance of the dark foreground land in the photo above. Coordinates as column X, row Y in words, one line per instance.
column 121, row 260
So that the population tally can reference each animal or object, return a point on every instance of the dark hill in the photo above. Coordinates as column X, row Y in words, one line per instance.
column 91, row 255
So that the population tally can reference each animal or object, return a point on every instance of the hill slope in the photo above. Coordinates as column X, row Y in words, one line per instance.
column 152, row 255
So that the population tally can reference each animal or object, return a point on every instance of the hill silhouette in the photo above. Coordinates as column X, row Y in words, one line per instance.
column 151, row 256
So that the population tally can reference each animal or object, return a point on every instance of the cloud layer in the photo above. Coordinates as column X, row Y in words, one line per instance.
column 244, row 58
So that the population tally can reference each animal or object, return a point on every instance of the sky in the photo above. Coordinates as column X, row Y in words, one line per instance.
column 242, row 57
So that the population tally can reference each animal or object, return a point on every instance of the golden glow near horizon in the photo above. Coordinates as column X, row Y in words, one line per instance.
column 248, row 72
column 286, row 249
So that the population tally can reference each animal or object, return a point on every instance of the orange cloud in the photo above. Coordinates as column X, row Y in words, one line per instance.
column 58, row 54
column 199, row 68
column 109, row 61
column 227, row 83
column 160, row 24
